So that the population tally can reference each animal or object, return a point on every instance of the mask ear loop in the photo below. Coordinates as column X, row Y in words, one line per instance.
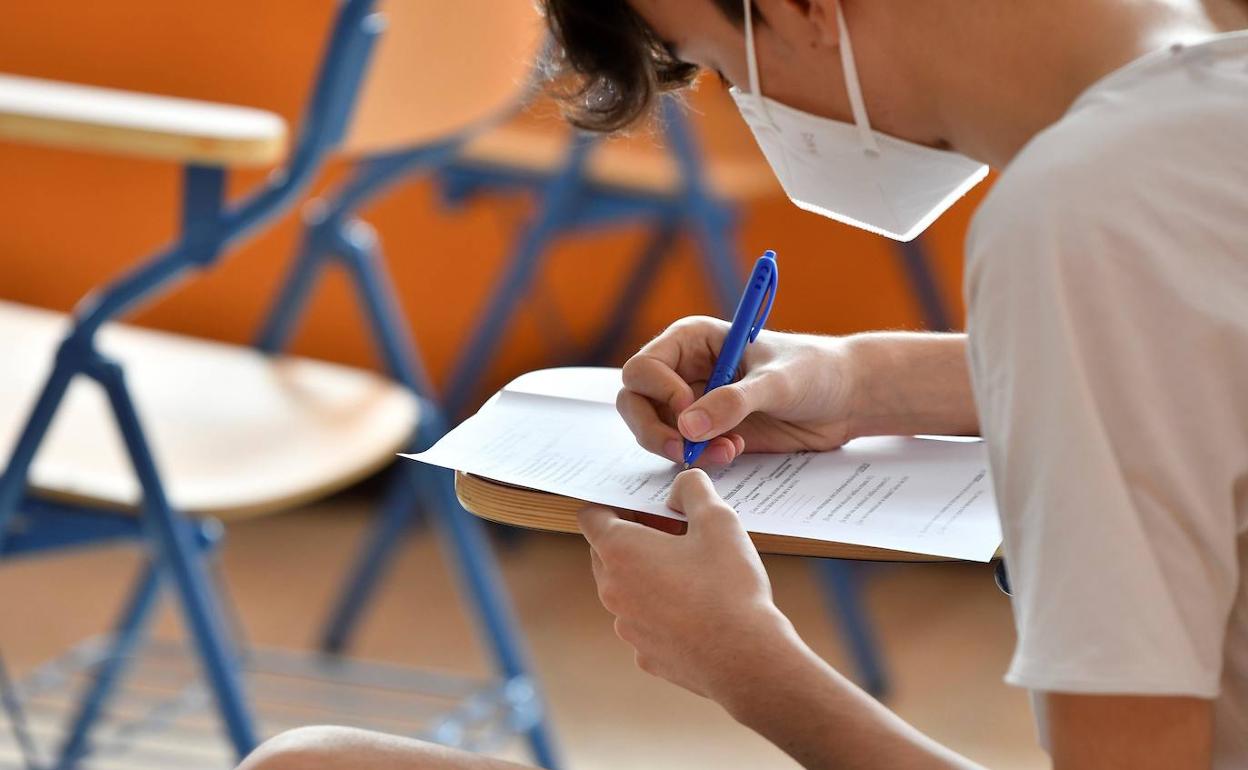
column 856, row 103
column 751, row 62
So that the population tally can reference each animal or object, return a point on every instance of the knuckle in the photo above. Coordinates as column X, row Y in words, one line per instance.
column 633, row 371
column 685, row 324
column 696, row 324
column 608, row 594
column 644, row 663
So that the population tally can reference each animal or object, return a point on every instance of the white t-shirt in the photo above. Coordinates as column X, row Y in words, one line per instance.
column 1107, row 287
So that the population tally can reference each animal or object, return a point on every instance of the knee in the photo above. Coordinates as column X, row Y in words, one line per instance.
column 304, row 748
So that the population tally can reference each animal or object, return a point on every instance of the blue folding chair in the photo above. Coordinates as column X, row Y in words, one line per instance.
column 66, row 485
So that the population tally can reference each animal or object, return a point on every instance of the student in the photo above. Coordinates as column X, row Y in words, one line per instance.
column 1106, row 363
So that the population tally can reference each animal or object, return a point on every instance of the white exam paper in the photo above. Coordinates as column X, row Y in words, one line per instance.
column 557, row 431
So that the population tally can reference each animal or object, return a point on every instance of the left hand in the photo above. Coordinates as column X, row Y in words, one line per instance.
column 697, row 608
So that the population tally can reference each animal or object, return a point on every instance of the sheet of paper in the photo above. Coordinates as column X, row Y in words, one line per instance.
column 561, row 433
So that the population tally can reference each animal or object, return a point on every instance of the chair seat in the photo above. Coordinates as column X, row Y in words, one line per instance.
column 631, row 164
column 123, row 122
column 235, row 433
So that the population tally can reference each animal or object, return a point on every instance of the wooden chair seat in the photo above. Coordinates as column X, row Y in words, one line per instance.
column 635, row 164
column 123, row 122
column 235, row 433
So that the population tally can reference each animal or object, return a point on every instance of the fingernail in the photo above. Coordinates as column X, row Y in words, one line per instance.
column 674, row 450
column 694, row 423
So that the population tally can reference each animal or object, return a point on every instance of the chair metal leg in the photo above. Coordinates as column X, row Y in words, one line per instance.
column 398, row 512
column 711, row 221
column 656, row 250
column 300, row 279
column 842, row 591
column 713, row 230
column 465, row 539
column 917, row 265
column 13, row 482
column 557, row 206
column 356, row 245
column 11, row 705
column 128, row 636
column 177, row 552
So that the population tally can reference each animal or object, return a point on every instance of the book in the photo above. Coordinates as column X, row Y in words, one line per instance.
column 551, row 442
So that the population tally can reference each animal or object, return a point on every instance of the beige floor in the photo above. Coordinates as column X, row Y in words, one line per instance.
column 945, row 630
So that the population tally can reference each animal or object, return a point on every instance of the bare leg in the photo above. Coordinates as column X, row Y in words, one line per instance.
column 345, row 748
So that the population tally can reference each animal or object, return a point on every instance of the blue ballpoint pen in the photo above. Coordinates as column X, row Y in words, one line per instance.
column 747, row 322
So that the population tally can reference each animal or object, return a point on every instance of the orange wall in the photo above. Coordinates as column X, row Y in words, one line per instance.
column 70, row 220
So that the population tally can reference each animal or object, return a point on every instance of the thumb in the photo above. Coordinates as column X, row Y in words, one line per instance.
column 723, row 409
column 694, row 495
column 708, row 514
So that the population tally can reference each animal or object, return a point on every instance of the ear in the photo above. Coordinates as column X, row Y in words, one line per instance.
column 801, row 23
column 822, row 15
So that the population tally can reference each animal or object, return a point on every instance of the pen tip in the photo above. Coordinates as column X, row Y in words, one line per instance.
column 686, row 466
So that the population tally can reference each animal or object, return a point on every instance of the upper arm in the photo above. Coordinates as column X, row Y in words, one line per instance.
column 1107, row 732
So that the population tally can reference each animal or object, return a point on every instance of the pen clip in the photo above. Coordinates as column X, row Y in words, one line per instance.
column 772, row 287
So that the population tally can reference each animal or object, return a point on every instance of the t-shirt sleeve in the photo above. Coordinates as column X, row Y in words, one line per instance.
column 1103, row 388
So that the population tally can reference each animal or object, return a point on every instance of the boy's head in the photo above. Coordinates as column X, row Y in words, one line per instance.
column 613, row 57
column 614, row 60
column 828, row 113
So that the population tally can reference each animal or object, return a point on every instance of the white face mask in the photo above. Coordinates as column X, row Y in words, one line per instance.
column 852, row 173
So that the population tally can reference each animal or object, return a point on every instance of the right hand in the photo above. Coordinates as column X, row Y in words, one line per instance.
column 794, row 392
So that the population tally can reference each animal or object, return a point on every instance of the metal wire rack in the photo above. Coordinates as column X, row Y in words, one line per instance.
column 163, row 717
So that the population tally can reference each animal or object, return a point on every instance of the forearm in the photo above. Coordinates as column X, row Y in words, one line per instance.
column 908, row 383
column 822, row 720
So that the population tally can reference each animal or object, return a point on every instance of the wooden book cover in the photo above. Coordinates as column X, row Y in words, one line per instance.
column 547, row 512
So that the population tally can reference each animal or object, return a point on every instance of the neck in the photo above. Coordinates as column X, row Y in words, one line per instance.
column 1030, row 61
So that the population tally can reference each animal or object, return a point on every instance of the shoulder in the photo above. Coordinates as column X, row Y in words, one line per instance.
column 1136, row 168
column 1077, row 169
column 1059, row 195
column 1161, row 136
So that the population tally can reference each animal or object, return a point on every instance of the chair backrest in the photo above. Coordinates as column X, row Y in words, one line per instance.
column 442, row 65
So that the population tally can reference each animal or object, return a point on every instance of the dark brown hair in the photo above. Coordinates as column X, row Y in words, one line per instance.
column 607, row 65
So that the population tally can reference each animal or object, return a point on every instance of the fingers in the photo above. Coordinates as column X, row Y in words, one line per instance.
column 689, row 346
column 724, row 408
column 719, row 451
column 655, row 379
column 609, row 534
column 649, row 384
column 693, row 495
column 659, row 382
column 650, row 430
column 655, row 434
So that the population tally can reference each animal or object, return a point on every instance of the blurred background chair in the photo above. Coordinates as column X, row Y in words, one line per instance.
column 181, row 432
